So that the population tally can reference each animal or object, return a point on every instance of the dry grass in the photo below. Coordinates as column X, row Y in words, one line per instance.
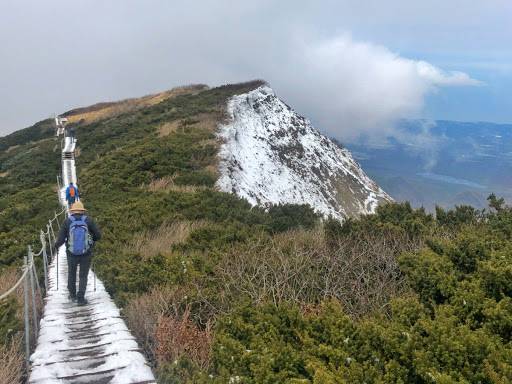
column 161, row 322
column 178, row 336
column 206, row 121
column 11, row 148
column 11, row 367
column 106, row 110
column 11, row 357
column 4, row 174
column 161, row 240
column 8, row 278
column 167, row 184
column 167, row 128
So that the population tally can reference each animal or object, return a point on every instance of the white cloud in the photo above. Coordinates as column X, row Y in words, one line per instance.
column 346, row 86
column 436, row 76
column 353, row 88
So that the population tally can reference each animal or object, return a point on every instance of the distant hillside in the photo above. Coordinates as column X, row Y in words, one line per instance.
column 442, row 162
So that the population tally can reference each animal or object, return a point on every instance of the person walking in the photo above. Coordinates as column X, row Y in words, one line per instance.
column 79, row 232
column 69, row 131
column 72, row 194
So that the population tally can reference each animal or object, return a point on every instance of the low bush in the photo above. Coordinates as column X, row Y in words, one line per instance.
column 301, row 267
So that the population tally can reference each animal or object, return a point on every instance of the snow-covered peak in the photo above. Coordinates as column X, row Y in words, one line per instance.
column 271, row 154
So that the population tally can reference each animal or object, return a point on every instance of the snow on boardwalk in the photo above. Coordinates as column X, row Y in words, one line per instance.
column 84, row 344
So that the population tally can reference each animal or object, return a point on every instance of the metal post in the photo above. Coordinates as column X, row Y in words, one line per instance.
column 58, row 188
column 34, row 271
column 31, row 278
column 49, row 241
column 25, row 315
column 53, row 233
column 57, row 219
column 51, row 253
column 45, row 261
column 57, row 269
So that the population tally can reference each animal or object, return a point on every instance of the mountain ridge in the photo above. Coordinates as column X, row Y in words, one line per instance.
column 271, row 154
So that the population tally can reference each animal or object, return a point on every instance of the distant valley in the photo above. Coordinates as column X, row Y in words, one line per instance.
column 443, row 162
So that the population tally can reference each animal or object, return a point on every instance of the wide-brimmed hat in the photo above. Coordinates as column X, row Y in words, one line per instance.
column 77, row 207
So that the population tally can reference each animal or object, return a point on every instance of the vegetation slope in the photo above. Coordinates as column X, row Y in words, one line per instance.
column 219, row 292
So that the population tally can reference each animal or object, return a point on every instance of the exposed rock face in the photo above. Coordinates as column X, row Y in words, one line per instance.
column 270, row 154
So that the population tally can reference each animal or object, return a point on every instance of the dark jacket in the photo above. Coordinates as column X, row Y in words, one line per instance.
column 64, row 231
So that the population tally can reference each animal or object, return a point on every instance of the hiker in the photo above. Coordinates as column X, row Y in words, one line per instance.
column 79, row 232
column 72, row 194
column 69, row 131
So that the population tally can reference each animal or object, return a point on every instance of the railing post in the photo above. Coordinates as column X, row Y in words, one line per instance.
column 51, row 228
column 34, row 271
column 51, row 253
column 49, row 241
column 45, row 261
column 57, row 269
column 57, row 219
column 32, row 289
column 58, row 188
column 25, row 315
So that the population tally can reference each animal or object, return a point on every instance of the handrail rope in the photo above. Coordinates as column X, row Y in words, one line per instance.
column 4, row 295
column 39, row 253
column 58, row 214
column 30, row 265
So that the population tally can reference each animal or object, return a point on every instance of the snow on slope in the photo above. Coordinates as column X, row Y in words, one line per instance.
column 270, row 154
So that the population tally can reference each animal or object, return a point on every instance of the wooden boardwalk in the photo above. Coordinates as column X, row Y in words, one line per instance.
column 83, row 344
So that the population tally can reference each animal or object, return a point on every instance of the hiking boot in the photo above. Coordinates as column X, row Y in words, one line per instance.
column 72, row 298
column 82, row 301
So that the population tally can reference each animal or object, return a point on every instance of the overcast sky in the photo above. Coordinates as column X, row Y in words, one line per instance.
column 352, row 67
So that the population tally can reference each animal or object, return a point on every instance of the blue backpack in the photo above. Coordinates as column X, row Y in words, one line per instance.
column 79, row 239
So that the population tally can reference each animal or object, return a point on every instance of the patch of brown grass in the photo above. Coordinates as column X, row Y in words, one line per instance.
column 11, row 357
column 4, row 174
column 8, row 278
column 161, row 240
column 178, row 336
column 204, row 121
column 11, row 367
column 167, row 128
column 161, row 321
column 208, row 121
column 167, row 184
column 11, row 148
column 106, row 110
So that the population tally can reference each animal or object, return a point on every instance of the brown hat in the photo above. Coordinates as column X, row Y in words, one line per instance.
column 77, row 207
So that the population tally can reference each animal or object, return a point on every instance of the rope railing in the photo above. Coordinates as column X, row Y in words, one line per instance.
column 15, row 286
column 31, row 286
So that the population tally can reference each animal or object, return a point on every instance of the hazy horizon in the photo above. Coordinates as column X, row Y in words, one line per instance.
column 352, row 68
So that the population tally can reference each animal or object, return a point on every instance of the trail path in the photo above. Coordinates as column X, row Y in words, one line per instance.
column 83, row 344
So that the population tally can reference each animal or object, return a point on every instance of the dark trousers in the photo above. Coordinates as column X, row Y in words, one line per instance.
column 84, row 262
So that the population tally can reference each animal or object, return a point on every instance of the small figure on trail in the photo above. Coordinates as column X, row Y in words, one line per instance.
column 79, row 232
column 69, row 131
column 72, row 194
